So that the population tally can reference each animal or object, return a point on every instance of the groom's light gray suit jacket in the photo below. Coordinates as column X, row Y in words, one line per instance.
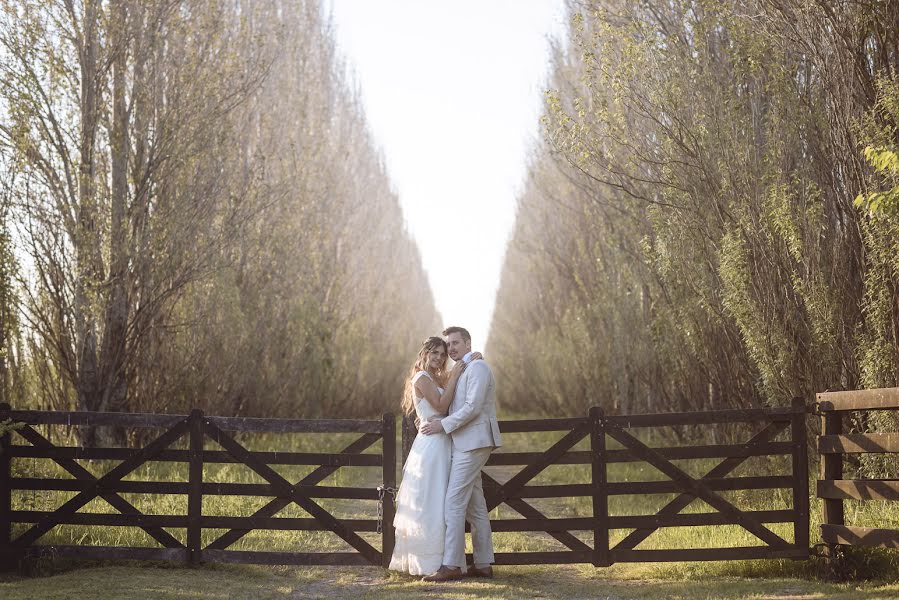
column 472, row 415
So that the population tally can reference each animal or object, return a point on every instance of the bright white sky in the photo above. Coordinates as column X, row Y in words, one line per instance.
column 453, row 92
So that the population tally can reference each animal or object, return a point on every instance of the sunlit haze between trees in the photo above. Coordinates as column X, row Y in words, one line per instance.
column 453, row 92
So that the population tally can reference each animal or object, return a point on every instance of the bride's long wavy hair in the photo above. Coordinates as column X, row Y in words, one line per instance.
column 422, row 364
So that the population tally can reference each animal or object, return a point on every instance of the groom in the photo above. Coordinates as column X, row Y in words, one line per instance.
column 474, row 431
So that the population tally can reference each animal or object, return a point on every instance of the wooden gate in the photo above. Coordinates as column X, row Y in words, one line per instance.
column 197, row 428
column 574, row 533
column 707, row 487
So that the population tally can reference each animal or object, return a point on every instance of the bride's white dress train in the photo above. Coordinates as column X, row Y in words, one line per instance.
column 419, row 522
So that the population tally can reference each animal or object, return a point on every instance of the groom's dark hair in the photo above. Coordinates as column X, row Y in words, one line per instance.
column 461, row 330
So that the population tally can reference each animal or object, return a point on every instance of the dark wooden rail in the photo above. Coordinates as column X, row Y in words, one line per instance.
column 833, row 444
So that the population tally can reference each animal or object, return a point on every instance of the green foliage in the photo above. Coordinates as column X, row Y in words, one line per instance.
column 11, row 384
column 879, row 349
column 885, row 162
column 881, row 130
column 691, row 208
column 207, row 222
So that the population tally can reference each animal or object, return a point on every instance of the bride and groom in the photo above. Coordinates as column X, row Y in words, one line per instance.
column 441, row 485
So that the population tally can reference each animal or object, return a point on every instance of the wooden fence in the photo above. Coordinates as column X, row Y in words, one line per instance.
column 833, row 445
column 602, row 431
column 583, row 537
column 198, row 429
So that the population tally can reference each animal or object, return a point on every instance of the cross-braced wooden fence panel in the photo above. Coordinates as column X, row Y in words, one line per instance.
column 199, row 431
column 517, row 491
column 709, row 486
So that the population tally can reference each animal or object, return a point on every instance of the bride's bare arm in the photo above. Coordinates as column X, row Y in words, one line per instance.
column 447, row 398
column 428, row 389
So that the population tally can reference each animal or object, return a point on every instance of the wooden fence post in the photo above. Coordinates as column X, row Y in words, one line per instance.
column 6, row 559
column 832, row 469
column 195, row 488
column 409, row 431
column 800, row 474
column 388, row 453
column 601, row 556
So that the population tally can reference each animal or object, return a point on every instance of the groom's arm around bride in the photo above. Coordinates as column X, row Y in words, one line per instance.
column 472, row 421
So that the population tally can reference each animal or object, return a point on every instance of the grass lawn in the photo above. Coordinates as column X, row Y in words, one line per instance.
column 567, row 582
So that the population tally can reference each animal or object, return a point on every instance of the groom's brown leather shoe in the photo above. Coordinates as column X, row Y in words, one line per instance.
column 487, row 572
column 445, row 573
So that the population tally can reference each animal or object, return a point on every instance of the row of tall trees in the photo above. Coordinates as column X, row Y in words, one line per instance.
column 688, row 236
column 196, row 215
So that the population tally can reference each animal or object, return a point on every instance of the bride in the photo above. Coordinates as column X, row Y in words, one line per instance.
column 419, row 521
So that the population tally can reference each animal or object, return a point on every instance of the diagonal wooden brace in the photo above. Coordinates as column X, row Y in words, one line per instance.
column 722, row 469
column 529, row 512
column 117, row 502
column 276, row 504
column 502, row 493
column 695, row 487
column 284, row 488
column 95, row 488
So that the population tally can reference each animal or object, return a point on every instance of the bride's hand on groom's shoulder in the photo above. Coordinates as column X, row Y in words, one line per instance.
column 462, row 365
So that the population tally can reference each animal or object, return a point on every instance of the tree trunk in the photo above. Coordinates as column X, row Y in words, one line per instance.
column 113, row 353
column 85, row 242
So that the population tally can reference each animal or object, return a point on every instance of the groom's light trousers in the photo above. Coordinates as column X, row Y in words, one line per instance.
column 465, row 501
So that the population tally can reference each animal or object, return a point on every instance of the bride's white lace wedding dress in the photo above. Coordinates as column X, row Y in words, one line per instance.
column 419, row 521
